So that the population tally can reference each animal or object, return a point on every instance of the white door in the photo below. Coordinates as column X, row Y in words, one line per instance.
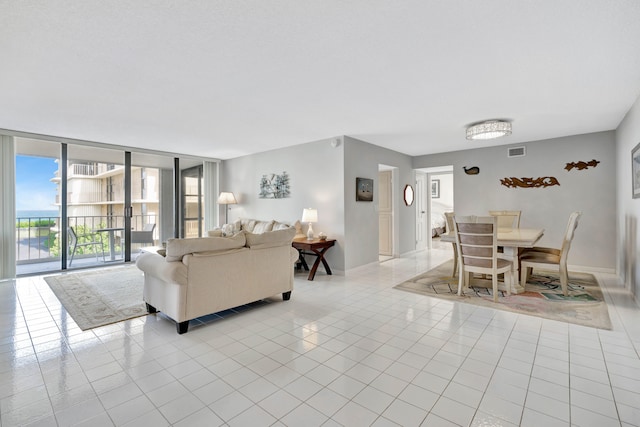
column 421, row 211
column 385, row 213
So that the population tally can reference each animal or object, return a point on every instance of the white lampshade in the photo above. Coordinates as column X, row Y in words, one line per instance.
column 226, row 198
column 309, row 215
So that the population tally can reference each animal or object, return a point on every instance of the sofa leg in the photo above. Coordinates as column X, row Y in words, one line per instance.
column 286, row 296
column 182, row 327
column 151, row 309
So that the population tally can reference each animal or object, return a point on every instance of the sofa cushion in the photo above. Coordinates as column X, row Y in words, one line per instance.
column 177, row 248
column 270, row 239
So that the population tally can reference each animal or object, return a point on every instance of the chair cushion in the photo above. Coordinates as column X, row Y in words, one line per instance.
column 540, row 258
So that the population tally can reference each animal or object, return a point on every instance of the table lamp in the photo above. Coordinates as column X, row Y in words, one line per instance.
column 310, row 215
column 226, row 198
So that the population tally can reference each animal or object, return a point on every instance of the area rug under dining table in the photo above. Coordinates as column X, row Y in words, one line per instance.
column 543, row 297
column 100, row 297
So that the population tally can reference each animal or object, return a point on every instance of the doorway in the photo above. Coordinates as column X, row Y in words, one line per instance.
column 387, row 207
column 435, row 197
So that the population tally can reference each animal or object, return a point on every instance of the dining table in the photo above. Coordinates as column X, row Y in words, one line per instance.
column 511, row 239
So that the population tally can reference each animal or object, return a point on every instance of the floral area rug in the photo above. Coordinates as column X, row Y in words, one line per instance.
column 100, row 297
column 543, row 296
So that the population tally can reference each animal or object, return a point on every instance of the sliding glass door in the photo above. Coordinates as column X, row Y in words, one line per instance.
column 83, row 205
column 192, row 202
column 95, row 206
column 37, row 206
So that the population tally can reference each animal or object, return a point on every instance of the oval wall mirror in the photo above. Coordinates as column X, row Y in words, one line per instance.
column 408, row 195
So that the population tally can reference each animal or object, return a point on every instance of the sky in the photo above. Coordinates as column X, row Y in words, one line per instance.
column 34, row 190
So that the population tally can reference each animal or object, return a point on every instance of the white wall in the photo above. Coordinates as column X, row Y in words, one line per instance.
column 627, row 137
column 315, row 172
column 592, row 191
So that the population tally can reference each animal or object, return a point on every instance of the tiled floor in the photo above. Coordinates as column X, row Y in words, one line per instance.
column 344, row 351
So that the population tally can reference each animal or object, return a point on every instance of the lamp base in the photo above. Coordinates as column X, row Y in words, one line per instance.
column 310, row 232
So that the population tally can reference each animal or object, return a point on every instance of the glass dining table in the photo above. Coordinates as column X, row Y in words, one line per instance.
column 511, row 239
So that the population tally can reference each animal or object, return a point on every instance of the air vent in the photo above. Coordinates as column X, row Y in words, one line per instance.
column 517, row 152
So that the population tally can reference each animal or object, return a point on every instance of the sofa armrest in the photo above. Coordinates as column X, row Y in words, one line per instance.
column 168, row 271
column 295, row 255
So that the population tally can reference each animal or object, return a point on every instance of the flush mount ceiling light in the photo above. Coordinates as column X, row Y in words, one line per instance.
column 489, row 130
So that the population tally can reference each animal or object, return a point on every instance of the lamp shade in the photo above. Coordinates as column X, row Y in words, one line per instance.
column 226, row 198
column 309, row 215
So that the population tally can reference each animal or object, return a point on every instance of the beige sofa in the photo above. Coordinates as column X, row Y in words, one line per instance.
column 206, row 275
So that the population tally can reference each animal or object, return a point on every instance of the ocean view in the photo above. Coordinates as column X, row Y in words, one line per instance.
column 21, row 214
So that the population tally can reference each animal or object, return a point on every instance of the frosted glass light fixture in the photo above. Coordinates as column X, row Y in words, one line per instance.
column 310, row 215
column 489, row 130
column 226, row 198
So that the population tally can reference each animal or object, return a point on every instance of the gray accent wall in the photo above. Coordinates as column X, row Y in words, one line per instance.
column 627, row 137
column 361, row 160
column 592, row 191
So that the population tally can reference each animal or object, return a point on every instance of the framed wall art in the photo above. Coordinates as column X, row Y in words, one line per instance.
column 435, row 188
column 274, row 186
column 364, row 190
column 635, row 171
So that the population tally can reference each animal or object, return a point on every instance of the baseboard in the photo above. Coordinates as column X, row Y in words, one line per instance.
column 591, row 269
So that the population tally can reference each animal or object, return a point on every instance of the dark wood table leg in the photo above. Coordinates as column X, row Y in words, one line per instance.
column 303, row 261
column 319, row 258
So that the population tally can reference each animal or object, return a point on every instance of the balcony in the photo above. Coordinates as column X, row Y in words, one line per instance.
column 37, row 240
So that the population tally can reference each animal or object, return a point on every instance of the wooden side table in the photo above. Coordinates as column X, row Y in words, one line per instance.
column 315, row 247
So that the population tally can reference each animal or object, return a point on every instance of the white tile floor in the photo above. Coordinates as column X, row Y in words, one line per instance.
column 344, row 351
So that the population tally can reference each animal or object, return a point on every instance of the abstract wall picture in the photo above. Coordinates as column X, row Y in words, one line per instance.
column 364, row 190
column 273, row 186
column 582, row 165
column 541, row 182
column 635, row 171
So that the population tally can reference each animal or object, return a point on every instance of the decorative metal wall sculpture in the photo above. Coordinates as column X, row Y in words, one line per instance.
column 474, row 170
column 582, row 165
column 274, row 186
column 545, row 181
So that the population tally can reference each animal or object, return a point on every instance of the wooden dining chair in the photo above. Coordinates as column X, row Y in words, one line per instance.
column 450, row 229
column 550, row 258
column 507, row 219
column 476, row 239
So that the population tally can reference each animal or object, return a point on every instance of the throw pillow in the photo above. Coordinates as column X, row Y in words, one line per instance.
column 216, row 232
column 262, row 227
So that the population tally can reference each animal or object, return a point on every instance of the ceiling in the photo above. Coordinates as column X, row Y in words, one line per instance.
column 225, row 78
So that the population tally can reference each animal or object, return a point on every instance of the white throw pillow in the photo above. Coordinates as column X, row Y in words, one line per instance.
column 262, row 227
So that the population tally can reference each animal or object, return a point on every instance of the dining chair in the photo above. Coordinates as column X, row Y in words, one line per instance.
column 550, row 258
column 476, row 238
column 84, row 240
column 507, row 219
column 450, row 229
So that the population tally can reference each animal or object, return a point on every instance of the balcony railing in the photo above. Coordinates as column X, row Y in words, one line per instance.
column 37, row 238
